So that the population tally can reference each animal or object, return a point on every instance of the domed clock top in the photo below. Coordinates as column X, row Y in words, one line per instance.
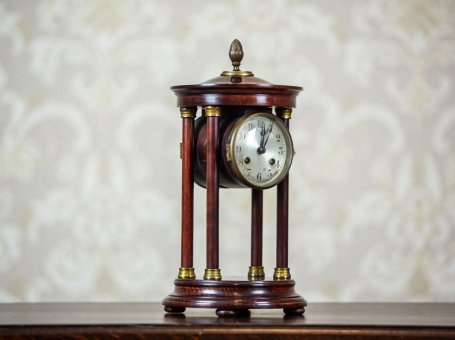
column 236, row 87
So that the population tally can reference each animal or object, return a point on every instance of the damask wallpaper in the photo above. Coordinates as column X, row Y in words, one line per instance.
column 89, row 136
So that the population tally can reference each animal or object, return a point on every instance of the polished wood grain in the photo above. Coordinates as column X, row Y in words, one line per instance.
column 147, row 320
column 234, row 296
column 282, row 219
column 245, row 94
column 282, row 237
column 212, row 181
column 256, row 227
column 187, row 192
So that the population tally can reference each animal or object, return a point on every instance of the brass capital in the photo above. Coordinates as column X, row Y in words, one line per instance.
column 186, row 273
column 188, row 112
column 284, row 112
column 212, row 274
column 212, row 111
column 256, row 273
column 282, row 274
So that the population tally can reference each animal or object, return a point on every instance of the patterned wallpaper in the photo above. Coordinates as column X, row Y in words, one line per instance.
column 89, row 134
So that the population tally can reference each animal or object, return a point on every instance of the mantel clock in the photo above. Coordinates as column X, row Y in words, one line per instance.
column 241, row 139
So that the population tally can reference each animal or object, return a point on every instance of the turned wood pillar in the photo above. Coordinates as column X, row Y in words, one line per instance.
column 186, row 270
column 212, row 271
column 256, row 271
column 282, row 271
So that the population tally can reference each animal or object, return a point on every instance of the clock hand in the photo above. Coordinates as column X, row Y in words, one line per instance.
column 269, row 130
column 261, row 144
column 261, row 148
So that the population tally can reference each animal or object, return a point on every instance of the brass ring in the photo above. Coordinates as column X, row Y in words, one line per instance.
column 188, row 112
column 256, row 273
column 212, row 111
column 282, row 274
column 284, row 112
column 186, row 273
column 237, row 74
column 212, row 274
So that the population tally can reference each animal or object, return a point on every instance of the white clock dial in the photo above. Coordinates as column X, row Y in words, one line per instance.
column 261, row 149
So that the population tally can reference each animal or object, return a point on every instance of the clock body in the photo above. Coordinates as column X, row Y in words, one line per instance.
column 256, row 150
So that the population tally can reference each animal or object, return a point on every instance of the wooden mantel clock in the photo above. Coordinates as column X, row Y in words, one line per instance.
column 240, row 140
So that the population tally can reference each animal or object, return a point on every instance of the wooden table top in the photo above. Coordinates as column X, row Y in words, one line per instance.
column 147, row 319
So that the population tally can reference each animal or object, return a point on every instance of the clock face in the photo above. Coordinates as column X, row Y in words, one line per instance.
column 260, row 150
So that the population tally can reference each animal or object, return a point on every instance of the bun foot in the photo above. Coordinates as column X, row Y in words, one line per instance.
column 232, row 312
column 294, row 311
column 174, row 310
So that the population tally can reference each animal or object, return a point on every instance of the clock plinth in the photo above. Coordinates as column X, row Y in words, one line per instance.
column 231, row 297
column 240, row 140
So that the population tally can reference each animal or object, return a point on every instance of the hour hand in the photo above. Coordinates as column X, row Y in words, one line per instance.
column 262, row 142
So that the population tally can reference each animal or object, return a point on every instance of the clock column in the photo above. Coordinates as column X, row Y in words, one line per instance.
column 212, row 271
column 186, row 270
column 256, row 271
column 282, row 271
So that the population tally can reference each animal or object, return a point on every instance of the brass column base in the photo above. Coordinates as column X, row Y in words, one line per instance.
column 256, row 273
column 212, row 274
column 282, row 274
column 186, row 273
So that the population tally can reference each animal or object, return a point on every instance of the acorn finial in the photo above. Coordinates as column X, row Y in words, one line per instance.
column 236, row 54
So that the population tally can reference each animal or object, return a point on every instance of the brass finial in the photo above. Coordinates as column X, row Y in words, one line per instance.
column 236, row 56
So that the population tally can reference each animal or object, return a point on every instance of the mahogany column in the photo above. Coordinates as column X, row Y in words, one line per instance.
column 256, row 271
column 212, row 271
column 186, row 270
column 282, row 271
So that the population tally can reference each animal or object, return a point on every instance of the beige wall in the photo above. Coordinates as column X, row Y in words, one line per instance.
column 89, row 133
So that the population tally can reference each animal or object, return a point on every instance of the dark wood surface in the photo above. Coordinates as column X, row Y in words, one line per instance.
column 256, row 226
column 140, row 320
column 212, row 182
column 187, row 192
column 234, row 296
column 245, row 94
column 282, row 219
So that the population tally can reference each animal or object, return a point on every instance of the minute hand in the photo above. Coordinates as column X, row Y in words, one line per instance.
column 269, row 130
column 262, row 143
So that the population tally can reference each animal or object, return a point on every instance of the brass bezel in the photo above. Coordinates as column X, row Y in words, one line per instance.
column 231, row 154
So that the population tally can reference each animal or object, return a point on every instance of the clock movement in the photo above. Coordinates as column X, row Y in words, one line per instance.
column 241, row 139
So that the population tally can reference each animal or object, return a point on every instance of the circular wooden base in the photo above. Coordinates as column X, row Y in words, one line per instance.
column 234, row 298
